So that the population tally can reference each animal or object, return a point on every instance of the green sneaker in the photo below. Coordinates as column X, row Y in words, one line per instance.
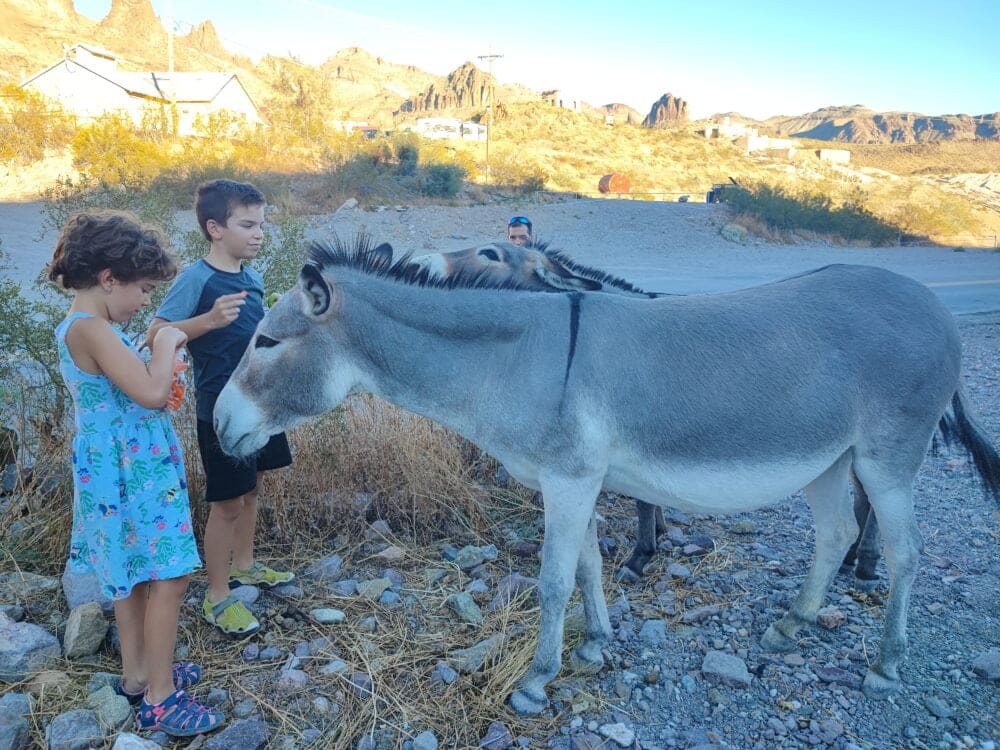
column 259, row 575
column 230, row 616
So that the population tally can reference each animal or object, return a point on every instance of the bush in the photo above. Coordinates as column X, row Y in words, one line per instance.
column 442, row 180
column 110, row 152
column 784, row 210
column 30, row 124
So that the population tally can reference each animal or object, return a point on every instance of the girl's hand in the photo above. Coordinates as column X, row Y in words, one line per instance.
column 169, row 337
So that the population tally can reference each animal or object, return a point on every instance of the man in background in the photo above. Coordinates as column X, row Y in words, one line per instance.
column 519, row 230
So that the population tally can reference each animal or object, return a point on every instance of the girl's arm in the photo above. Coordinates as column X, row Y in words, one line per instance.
column 97, row 348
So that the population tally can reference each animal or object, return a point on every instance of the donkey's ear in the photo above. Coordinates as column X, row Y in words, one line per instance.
column 566, row 281
column 383, row 253
column 315, row 289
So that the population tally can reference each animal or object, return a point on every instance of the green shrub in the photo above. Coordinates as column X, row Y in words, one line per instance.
column 30, row 124
column 442, row 180
column 784, row 210
column 111, row 152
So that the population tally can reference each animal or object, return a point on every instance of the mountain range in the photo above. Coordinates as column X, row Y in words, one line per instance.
column 361, row 86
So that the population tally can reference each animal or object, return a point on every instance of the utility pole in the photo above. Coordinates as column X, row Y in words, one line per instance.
column 489, row 109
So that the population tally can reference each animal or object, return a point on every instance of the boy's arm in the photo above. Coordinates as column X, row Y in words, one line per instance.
column 224, row 311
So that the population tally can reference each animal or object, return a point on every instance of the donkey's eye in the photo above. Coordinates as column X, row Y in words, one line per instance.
column 264, row 342
column 489, row 252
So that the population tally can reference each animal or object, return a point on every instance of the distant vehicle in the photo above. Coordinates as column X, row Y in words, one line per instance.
column 715, row 194
column 683, row 198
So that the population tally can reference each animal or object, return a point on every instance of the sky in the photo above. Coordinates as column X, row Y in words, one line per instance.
column 757, row 57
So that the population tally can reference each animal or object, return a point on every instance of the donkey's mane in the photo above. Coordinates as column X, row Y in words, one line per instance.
column 595, row 274
column 362, row 254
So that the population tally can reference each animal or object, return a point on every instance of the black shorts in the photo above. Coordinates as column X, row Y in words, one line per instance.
column 227, row 478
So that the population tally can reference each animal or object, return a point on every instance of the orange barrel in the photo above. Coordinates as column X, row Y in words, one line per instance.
column 614, row 183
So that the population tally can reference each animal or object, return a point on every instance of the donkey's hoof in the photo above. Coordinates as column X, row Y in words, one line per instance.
column 525, row 704
column 625, row 574
column 776, row 642
column 878, row 687
column 583, row 660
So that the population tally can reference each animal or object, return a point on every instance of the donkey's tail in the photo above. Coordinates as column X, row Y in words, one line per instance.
column 959, row 426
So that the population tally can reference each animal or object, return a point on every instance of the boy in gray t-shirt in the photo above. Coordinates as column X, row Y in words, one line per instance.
column 218, row 303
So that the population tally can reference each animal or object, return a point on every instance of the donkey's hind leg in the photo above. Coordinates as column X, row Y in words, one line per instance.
column 569, row 507
column 892, row 500
column 587, row 657
column 833, row 519
column 865, row 550
column 650, row 517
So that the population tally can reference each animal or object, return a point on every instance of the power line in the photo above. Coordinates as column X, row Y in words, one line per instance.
column 490, row 57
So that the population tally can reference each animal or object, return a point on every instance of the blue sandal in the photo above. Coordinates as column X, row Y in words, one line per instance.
column 185, row 673
column 178, row 715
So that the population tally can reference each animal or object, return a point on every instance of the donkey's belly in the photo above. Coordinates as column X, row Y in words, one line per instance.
column 728, row 487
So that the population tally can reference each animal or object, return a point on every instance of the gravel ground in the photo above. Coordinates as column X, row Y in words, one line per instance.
column 655, row 692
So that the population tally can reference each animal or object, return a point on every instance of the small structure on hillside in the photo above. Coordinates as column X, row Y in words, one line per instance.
column 448, row 128
column 557, row 98
column 88, row 83
column 836, row 155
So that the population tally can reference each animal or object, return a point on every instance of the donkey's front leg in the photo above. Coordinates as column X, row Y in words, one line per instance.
column 569, row 506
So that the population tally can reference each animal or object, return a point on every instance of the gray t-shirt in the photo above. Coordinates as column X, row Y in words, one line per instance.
column 215, row 355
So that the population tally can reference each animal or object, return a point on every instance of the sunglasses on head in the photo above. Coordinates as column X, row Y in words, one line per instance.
column 515, row 220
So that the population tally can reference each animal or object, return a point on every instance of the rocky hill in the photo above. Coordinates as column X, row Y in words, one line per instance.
column 858, row 124
column 667, row 111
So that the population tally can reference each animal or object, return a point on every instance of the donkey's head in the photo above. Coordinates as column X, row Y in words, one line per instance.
column 298, row 363
column 533, row 267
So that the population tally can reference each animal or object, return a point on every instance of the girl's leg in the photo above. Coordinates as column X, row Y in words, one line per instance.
column 160, row 629
column 130, row 614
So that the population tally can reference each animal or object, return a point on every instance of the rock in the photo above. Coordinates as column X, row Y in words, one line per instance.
column 335, row 667
column 472, row 659
column 701, row 613
column 292, row 680
column 830, row 618
column 85, row 630
column 987, row 665
column 374, row 589
column 497, row 737
column 246, row 594
column 83, row 588
column 469, row 556
column 443, row 673
column 509, row 588
column 679, row 571
column 23, row 585
column 325, row 569
column 73, row 730
column 14, row 729
column 938, row 707
column 245, row 734
column 618, row 733
column 348, row 205
column 51, row 680
column 129, row 741
column 425, row 741
column 25, row 648
column 838, row 676
column 465, row 608
column 392, row 553
column 327, row 616
column 361, row 685
column 726, row 669
column 654, row 632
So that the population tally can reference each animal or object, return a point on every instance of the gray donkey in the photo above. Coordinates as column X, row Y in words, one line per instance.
column 711, row 404
column 537, row 267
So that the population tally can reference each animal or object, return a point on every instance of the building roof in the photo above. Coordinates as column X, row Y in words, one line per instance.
column 169, row 87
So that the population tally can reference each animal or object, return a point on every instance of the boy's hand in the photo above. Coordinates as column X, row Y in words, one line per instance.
column 170, row 337
column 227, row 308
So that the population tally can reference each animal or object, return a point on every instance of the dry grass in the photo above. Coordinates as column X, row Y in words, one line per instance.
column 364, row 461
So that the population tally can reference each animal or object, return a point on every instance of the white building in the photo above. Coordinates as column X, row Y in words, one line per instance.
column 449, row 128
column 88, row 84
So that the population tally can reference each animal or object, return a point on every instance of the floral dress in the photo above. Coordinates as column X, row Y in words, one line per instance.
column 131, row 517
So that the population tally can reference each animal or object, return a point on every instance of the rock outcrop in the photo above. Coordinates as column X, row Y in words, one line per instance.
column 622, row 113
column 465, row 87
column 858, row 124
column 667, row 111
